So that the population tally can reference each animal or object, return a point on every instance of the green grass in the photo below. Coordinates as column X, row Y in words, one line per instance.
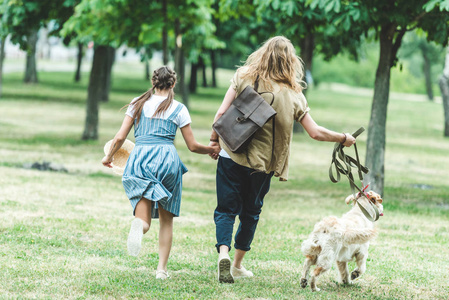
column 63, row 235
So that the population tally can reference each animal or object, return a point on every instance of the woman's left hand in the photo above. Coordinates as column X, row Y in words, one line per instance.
column 107, row 162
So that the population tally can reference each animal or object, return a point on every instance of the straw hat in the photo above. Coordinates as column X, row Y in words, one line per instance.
column 120, row 157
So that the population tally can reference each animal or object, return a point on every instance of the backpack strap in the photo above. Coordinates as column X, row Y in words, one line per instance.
column 256, row 86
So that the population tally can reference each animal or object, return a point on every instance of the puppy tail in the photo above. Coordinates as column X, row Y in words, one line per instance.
column 358, row 236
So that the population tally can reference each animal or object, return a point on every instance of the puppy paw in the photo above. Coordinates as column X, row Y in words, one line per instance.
column 355, row 274
column 303, row 283
column 316, row 290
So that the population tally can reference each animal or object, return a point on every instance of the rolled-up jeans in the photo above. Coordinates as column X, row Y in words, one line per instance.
column 240, row 191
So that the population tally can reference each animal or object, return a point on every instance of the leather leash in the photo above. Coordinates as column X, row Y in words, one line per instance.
column 343, row 164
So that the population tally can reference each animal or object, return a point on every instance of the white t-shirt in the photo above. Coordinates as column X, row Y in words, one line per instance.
column 150, row 106
column 223, row 153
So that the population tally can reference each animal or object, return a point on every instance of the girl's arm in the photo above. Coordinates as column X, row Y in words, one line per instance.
column 320, row 133
column 118, row 141
column 193, row 145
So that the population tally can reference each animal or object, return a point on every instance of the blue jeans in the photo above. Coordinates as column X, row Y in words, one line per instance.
column 240, row 191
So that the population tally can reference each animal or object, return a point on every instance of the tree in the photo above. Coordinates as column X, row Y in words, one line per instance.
column 22, row 20
column 165, row 32
column 109, row 59
column 95, row 90
column 58, row 19
column 2, row 58
column 444, row 87
column 307, row 26
column 194, row 33
column 124, row 25
column 133, row 27
column 199, row 40
column 3, row 36
column 430, row 53
column 314, row 33
column 79, row 59
column 389, row 20
column 30, row 68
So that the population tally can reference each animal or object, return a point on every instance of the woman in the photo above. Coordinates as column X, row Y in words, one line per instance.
column 153, row 174
column 244, row 179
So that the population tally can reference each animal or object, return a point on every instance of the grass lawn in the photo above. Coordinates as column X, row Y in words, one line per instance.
column 63, row 235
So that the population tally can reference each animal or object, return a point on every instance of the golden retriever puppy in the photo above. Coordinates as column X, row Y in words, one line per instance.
column 341, row 240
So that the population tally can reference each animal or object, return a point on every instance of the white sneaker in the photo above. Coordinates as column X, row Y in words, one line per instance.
column 162, row 275
column 224, row 269
column 241, row 273
column 135, row 237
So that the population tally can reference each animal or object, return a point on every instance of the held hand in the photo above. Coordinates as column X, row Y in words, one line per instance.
column 217, row 149
column 350, row 140
column 106, row 161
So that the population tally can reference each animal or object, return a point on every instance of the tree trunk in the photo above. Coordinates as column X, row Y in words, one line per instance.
column 182, row 83
column 214, row 68
column 427, row 75
column 444, row 87
column 307, row 45
column 110, row 59
column 180, row 65
column 193, row 78
column 165, row 33
column 79, row 58
column 2, row 57
column 203, row 67
column 30, row 70
column 148, row 56
column 213, row 59
column 375, row 147
column 147, row 69
column 178, row 45
column 95, row 92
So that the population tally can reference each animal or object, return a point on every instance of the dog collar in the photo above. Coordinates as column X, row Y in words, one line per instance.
column 363, row 191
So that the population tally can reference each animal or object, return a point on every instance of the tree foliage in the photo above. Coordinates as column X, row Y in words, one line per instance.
column 386, row 21
column 21, row 17
column 115, row 22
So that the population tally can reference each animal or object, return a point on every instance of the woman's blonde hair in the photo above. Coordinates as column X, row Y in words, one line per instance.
column 275, row 60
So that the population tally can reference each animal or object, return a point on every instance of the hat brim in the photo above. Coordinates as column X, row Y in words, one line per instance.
column 121, row 156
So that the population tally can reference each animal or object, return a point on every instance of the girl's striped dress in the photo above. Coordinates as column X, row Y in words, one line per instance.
column 154, row 170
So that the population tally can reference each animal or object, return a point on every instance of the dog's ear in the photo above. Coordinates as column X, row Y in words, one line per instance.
column 374, row 197
column 349, row 199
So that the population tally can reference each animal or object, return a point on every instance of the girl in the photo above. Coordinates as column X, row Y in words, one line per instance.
column 243, row 179
column 153, row 174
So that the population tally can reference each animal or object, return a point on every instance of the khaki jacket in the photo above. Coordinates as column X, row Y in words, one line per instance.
column 290, row 106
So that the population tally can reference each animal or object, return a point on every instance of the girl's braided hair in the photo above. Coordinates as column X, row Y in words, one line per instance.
column 163, row 78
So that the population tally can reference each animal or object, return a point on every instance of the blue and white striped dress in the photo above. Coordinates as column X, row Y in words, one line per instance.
column 154, row 170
